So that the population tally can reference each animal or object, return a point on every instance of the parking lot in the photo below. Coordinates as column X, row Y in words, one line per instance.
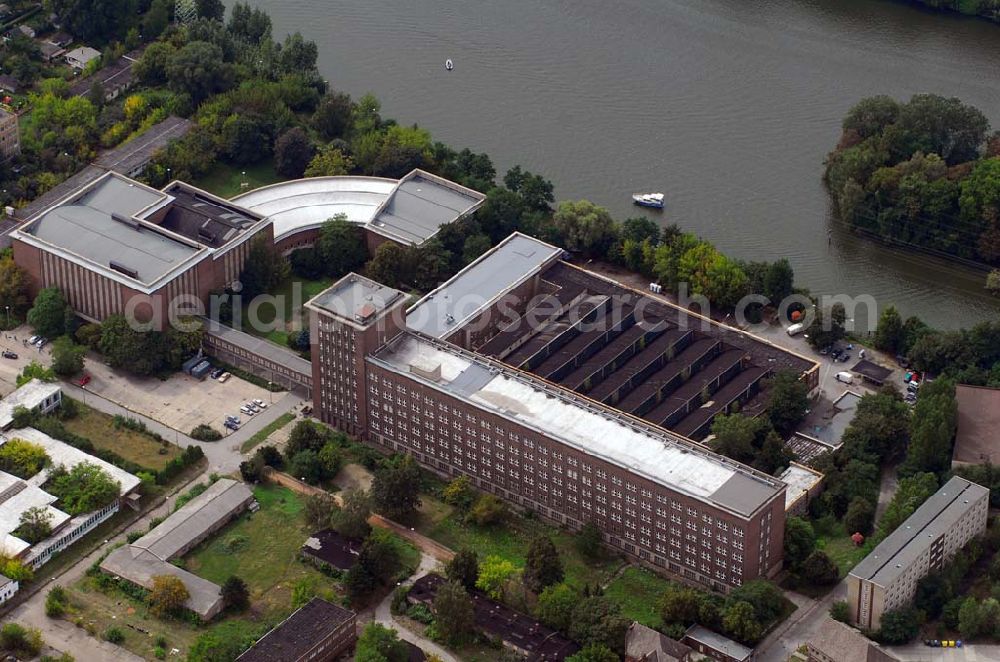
column 180, row 402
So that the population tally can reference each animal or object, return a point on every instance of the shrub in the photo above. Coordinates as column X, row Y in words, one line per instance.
column 133, row 536
column 840, row 611
column 18, row 639
column 421, row 614
column 55, row 602
column 114, row 635
column 22, row 458
column 487, row 510
column 205, row 432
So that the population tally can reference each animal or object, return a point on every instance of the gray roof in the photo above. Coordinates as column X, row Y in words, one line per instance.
column 258, row 346
column 508, row 264
column 645, row 644
column 733, row 649
column 98, row 226
column 422, row 203
column 938, row 514
column 296, row 636
column 195, row 519
column 844, row 407
column 356, row 299
column 140, row 567
column 29, row 395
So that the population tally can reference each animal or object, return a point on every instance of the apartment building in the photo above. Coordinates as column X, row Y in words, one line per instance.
column 887, row 578
column 657, row 496
column 10, row 136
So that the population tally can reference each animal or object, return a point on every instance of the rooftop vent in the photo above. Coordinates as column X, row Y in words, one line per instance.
column 121, row 268
column 125, row 220
column 365, row 313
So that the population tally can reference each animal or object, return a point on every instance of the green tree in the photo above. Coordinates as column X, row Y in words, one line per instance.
column 249, row 24
column 932, row 429
column 767, row 600
column 199, row 70
column 13, row 287
column 22, row 458
column 899, row 626
column 34, row 525
column 305, row 466
column 860, row 516
column 292, row 153
column 67, row 357
column 55, row 602
column 212, row 9
column 889, row 332
column 156, row 19
column 596, row 620
column 800, row 541
column 378, row 643
column 395, row 487
column 263, row 270
column 380, row 556
column 992, row 282
column 96, row 22
column 736, row 436
column 463, row 568
column 542, row 566
column 584, row 227
column 454, row 616
column 910, row 494
column 871, row 116
column 494, row 573
column 459, row 493
column 332, row 117
column 341, row 246
column 319, row 510
column 329, row 162
column 353, row 519
column 680, row 604
column 840, row 611
column 34, row 370
column 168, row 595
column 594, row 653
column 788, row 401
column 151, row 67
column 235, row 593
column 388, row 264
column 740, row 620
column 488, row 510
column 555, row 606
column 588, row 540
column 84, row 488
column 779, row 281
column 933, row 592
column 48, row 314
column 819, row 569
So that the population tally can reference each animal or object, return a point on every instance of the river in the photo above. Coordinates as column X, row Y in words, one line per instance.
column 727, row 106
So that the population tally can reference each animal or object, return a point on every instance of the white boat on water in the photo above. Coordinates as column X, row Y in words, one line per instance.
column 448, row 64
column 654, row 200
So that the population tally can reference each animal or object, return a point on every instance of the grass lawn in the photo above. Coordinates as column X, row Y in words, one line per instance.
column 638, row 592
column 832, row 538
column 134, row 446
column 439, row 521
column 289, row 296
column 261, row 435
column 262, row 548
column 224, row 180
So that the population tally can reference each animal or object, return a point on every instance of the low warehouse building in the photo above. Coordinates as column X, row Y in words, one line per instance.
column 319, row 631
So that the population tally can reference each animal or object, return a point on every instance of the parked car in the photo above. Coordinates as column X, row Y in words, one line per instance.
column 233, row 419
column 84, row 379
column 260, row 403
column 844, row 358
column 41, row 342
column 246, row 410
column 834, row 353
column 217, row 373
column 224, row 376
column 33, row 339
column 7, row 354
column 795, row 329
column 232, row 425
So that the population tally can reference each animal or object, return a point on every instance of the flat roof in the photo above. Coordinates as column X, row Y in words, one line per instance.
column 844, row 409
column 298, row 634
column 509, row 263
column 258, row 346
column 140, row 567
column 100, row 225
column 195, row 519
column 304, row 204
column 978, row 437
column 356, row 299
column 646, row 450
column 733, row 649
column 68, row 456
column 16, row 497
column 799, row 479
column 420, row 204
column 894, row 555
column 29, row 395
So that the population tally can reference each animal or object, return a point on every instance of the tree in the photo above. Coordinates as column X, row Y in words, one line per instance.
column 910, row 494
column 555, row 606
column 767, row 600
column 96, row 22
column 333, row 115
column 542, row 566
column 594, row 653
column 860, row 516
column 353, row 519
column 474, row 246
column 380, row 556
column 22, row 458
column 264, row 268
column 319, row 510
column 235, row 593
column 19, row 640
column 680, row 604
column 871, row 115
column 459, row 493
column 67, row 357
column 488, row 510
column 84, row 488
column 788, row 401
column 899, row 626
column 463, row 568
column 395, row 487
column 840, row 611
column 819, row 569
column 454, row 616
column 740, row 620
column 249, row 24
column 156, row 19
column 212, row 9
column 584, row 227
column 933, row 592
column 388, row 264
column 588, row 540
column 779, row 281
column 34, row 525
column 359, row 583
column 292, row 153
column 378, row 643
column 48, row 314
column 168, row 595
column 305, row 466
column 596, row 620
column 736, row 436
column 330, row 460
column 800, row 540
column 330, row 162
column 889, row 332
column 341, row 246
column 13, row 286
column 55, row 602
column 494, row 572
column 199, row 70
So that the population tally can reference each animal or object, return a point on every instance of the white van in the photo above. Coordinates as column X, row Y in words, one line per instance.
column 845, row 377
column 795, row 329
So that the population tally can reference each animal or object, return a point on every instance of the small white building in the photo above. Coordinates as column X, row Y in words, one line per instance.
column 8, row 587
column 35, row 395
column 80, row 57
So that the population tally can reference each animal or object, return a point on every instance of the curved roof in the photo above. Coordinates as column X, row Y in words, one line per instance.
column 303, row 204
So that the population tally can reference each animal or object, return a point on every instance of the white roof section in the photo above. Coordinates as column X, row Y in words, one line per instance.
column 799, row 479
column 304, row 204
column 63, row 454
column 656, row 454
column 494, row 273
column 409, row 210
column 28, row 395
column 17, row 496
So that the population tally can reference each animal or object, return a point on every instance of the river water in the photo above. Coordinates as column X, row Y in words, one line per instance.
column 727, row 106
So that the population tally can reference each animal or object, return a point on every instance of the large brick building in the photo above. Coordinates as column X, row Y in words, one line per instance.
column 115, row 245
column 407, row 380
